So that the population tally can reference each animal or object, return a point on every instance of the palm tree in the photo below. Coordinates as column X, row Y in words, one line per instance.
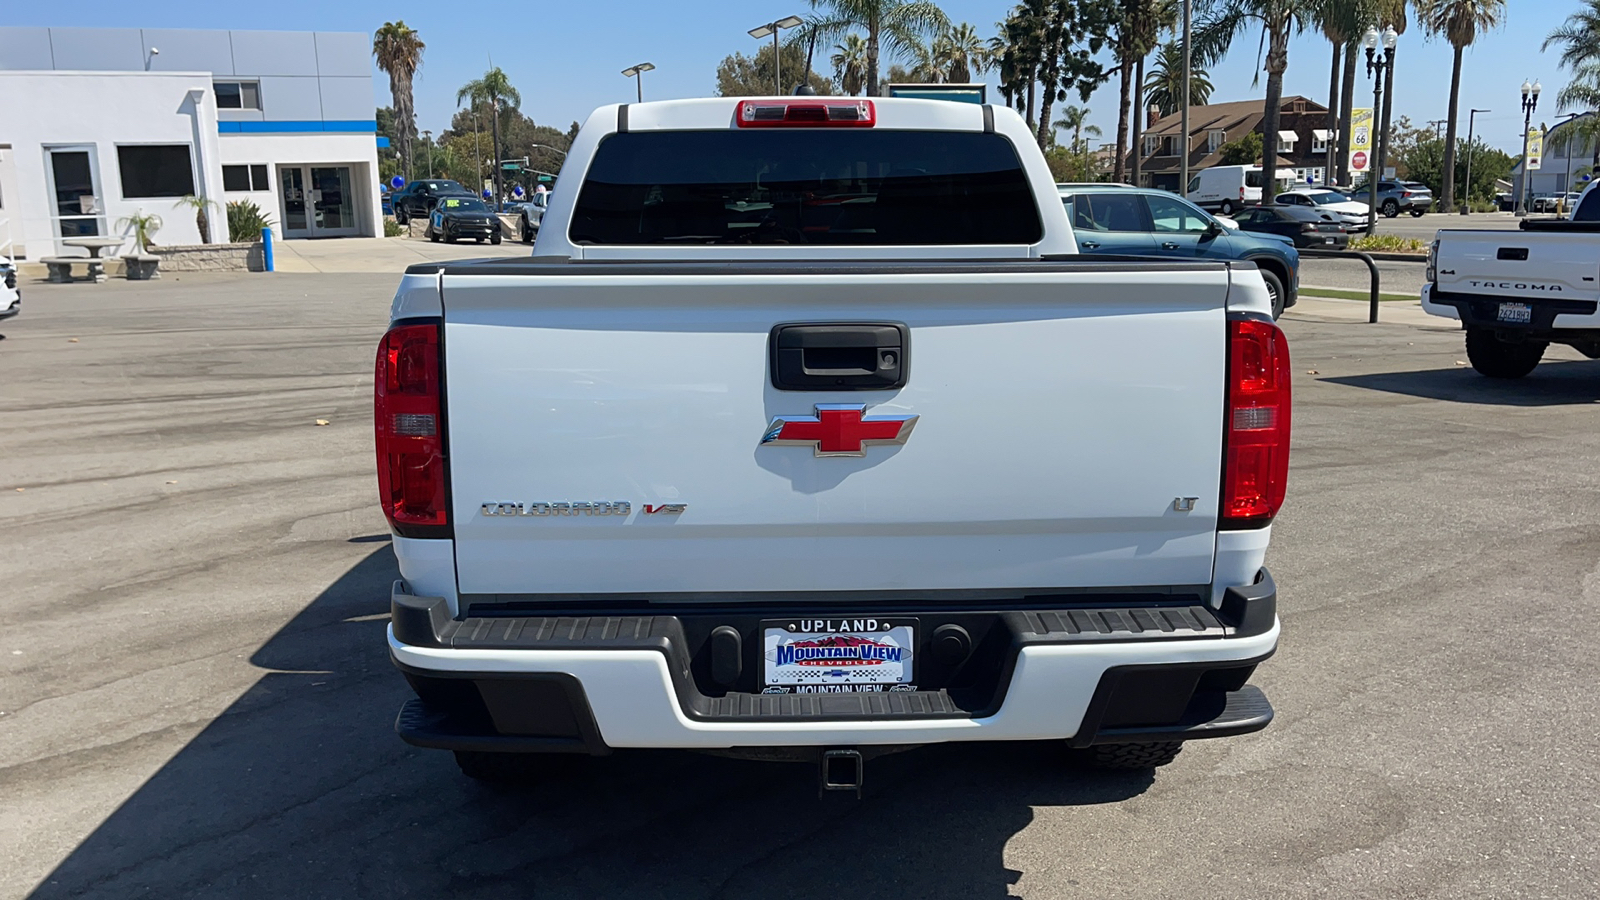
column 1017, row 51
column 962, row 53
column 1460, row 22
column 898, row 25
column 1580, row 35
column 1342, row 23
column 490, row 90
column 398, row 51
column 1163, row 88
column 1279, row 20
column 850, row 64
column 924, row 60
column 1136, row 30
column 1073, row 119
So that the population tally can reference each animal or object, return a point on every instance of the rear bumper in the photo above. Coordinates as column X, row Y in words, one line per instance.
column 1549, row 319
column 589, row 684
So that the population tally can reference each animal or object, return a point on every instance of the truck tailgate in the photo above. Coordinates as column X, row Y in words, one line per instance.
column 1519, row 265
column 1062, row 409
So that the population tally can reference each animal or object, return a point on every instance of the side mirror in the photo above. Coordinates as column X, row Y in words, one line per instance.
column 1213, row 228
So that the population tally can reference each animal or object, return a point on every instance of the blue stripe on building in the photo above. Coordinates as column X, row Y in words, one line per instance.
column 349, row 126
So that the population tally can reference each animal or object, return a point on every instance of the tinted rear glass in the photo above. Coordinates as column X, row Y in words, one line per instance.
column 1252, row 179
column 1589, row 209
column 805, row 186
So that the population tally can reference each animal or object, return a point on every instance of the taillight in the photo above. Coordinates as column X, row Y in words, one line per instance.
column 409, row 428
column 1255, row 441
column 1309, row 226
column 780, row 113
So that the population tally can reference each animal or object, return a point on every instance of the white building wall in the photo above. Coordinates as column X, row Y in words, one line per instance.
column 101, row 111
column 358, row 151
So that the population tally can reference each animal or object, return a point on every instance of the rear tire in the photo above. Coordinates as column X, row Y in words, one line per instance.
column 1226, row 208
column 498, row 768
column 1495, row 358
column 1275, row 288
column 1130, row 757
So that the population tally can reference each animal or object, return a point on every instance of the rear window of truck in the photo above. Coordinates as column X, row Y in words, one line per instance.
column 805, row 186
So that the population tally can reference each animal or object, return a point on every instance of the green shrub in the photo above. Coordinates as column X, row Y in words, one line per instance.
column 1388, row 243
column 246, row 221
column 391, row 228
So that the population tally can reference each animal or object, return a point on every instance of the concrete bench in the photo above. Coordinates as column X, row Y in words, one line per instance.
column 141, row 266
column 60, row 268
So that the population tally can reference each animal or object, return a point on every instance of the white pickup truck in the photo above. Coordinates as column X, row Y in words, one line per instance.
column 806, row 431
column 1517, row 292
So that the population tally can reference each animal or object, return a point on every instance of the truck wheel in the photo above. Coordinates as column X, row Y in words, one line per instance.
column 494, row 238
column 1390, row 209
column 1226, row 208
column 1275, row 289
column 433, row 235
column 400, row 216
column 1131, row 756
column 527, row 234
column 1502, row 359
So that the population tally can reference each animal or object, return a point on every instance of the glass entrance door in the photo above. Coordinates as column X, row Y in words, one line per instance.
column 317, row 202
column 293, row 186
column 335, row 209
column 77, row 201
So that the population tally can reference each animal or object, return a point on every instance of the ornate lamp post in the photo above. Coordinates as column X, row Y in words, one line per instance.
column 1530, row 102
column 1375, row 68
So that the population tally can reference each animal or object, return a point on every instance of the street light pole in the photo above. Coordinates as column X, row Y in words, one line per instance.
column 1466, row 190
column 427, row 138
column 1530, row 102
column 637, row 73
column 772, row 28
column 1375, row 68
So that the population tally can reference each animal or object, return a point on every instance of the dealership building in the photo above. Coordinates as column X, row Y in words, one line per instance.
column 101, row 124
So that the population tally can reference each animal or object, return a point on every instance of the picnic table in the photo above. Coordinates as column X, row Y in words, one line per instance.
column 94, row 244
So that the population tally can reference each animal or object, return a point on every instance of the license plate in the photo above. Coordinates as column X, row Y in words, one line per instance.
column 1327, row 240
column 838, row 656
column 1516, row 312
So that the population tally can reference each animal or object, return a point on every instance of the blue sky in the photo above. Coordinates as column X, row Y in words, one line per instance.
column 566, row 56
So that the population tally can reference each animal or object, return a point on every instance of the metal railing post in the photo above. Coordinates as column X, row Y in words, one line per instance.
column 1372, row 268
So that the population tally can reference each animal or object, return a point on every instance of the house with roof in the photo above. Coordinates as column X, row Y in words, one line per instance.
column 1304, row 135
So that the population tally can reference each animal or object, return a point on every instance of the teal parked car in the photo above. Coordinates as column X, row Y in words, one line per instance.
column 1111, row 219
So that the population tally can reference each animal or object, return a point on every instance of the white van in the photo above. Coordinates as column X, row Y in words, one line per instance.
column 1227, row 188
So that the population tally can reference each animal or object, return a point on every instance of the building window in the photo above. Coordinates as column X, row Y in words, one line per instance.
column 1287, row 140
column 238, row 94
column 1319, row 140
column 245, row 178
column 155, row 170
column 1215, row 139
column 1150, row 143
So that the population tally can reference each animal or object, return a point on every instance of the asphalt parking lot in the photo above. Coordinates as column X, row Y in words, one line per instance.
column 196, row 700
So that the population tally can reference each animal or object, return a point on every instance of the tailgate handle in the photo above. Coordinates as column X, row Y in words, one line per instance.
column 840, row 356
column 1517, row 253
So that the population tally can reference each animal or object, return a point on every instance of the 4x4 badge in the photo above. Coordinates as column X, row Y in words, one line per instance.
column 838, row 429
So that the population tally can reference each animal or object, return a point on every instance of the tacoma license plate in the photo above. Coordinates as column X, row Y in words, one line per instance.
column 1516, row 312
column 837, row 655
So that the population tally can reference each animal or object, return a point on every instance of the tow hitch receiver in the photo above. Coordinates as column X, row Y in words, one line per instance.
column 840, row 771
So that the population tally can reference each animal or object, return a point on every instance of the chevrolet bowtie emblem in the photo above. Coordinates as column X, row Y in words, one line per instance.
column 838, row 429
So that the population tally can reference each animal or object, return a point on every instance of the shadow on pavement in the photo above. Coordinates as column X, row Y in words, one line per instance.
column 1551, row 384
column 301, row 789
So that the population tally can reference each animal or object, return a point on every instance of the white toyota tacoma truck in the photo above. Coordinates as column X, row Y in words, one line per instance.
column 805, row 431
column 1518, row 292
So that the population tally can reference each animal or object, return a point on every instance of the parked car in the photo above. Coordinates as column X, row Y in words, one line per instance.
column 530, row 213
column 1306, row 227
column 1516, row 293
column 417, row 199
column 10, row 294
column 1553, row 202
column 682, row 504
column 1352, row 214
column 1396, row 197
column 387, row 200
column 1505, row 201
column 1227, row 188
column 1122, row 220
column 456, row 218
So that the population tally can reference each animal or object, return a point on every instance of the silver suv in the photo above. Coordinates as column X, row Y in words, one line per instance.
column 1396, row 197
